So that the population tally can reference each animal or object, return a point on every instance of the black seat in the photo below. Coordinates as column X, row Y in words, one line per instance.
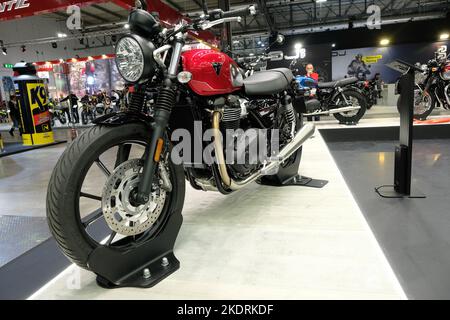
column 339, row 83
column 268, row 82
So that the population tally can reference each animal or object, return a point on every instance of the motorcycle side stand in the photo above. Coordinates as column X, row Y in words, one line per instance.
column 289, row 176
column 141, row 267
column 297, row 180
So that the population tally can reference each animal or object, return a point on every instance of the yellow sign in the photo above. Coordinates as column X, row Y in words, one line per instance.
column 41, row 133
column 372, row 59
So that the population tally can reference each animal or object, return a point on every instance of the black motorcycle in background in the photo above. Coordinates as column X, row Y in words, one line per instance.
column 432, row 86
column 338, row 98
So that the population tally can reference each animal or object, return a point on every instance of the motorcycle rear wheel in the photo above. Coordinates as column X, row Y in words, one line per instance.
column 348, row 117
column 72, row 231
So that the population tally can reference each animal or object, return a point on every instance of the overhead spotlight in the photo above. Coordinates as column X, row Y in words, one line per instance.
column 61, row 35
column 385, row 42
column 333, row 45
column 126, row 26
column 54, row 45
column 298, row 46
column 444, row 36
column 24, row 48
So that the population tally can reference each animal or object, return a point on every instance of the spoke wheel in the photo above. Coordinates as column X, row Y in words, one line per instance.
column 93, row 188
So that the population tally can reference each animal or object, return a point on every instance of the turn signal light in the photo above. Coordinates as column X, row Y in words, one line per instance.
column 184, row 77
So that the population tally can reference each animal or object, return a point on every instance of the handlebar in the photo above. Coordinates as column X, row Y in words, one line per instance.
column 250, row 10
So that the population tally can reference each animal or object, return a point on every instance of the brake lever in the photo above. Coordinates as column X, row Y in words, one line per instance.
column 210, row 24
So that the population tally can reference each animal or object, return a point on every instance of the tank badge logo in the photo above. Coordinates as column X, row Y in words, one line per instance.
column 217, row 67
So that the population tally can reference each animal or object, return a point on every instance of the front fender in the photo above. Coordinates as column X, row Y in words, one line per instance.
column 121, row 118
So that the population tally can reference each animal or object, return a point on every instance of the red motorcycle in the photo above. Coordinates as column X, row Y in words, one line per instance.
column 139, row 161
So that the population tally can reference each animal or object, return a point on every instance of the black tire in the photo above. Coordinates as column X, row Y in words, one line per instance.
column 342, row 118
column 63, row 214
column 424, row 115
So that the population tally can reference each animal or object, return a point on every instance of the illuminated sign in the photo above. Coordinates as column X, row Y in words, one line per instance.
column 13, row 5
column 8, row 65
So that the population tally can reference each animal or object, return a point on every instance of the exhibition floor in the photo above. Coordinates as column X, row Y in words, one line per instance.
column 265, row 243
column 274, row 243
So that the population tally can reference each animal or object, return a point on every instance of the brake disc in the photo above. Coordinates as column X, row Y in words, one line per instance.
column 121, row 215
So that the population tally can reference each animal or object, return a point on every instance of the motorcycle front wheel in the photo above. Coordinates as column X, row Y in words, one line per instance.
column 424, row 104
column 93, row 185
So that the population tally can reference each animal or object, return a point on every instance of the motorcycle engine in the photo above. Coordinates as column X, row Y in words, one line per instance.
column 241, row 139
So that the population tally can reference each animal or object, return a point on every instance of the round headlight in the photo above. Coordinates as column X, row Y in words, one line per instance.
column 134, row 58
column 129, row 59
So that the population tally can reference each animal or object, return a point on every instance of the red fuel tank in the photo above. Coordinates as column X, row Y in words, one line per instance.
column 213, row 72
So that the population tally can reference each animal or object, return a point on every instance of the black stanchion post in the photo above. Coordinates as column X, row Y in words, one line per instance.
column 403, row 152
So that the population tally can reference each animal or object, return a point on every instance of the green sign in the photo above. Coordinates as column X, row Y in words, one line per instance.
column 8, row 65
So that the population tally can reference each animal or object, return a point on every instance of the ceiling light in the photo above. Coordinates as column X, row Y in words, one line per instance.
column 126, row 26
column 333, row 45
column 444, row 36
column 298, row 46
column 385, row 42
column 61, row 35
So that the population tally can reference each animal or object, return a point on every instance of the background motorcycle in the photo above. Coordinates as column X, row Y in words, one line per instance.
column 338, row 98
column 56, row 114
column 87, row 113
column 142, row 185
column 432, row 87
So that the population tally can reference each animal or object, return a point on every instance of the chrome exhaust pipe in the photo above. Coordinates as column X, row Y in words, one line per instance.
column 269, row 168
column 332, row 111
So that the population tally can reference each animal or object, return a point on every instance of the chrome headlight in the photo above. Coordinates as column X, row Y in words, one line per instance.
column 134, row 58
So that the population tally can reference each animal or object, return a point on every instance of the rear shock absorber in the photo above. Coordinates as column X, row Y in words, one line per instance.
column 163, row 108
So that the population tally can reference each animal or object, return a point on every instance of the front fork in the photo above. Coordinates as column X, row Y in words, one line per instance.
column 162, row 111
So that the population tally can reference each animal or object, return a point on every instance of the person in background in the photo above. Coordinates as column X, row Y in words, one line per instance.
column 379, row 84
column 64, row 106
column 358, row 68
column 310, row 72
column 14, row 113
column 73, row 99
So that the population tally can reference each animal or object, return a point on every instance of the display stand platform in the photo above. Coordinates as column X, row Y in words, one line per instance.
column 298, row 181
column 143, row 266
